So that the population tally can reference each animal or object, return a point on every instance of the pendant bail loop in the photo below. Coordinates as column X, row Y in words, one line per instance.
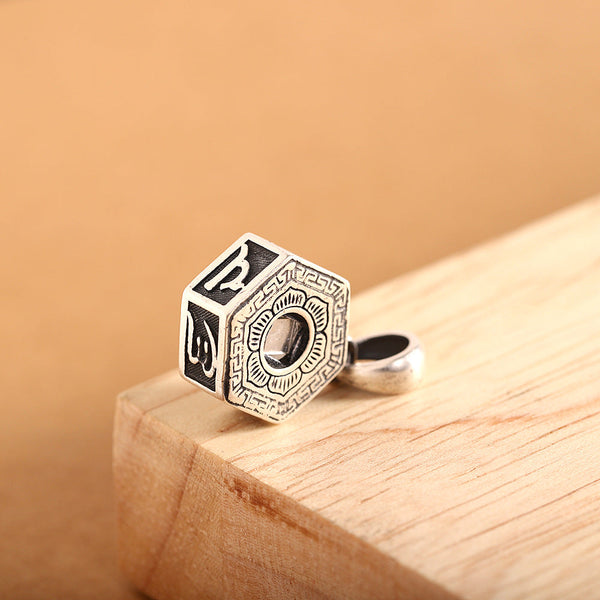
column 387, row 363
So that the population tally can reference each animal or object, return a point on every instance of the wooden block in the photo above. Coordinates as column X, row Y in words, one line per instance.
column 485, row 482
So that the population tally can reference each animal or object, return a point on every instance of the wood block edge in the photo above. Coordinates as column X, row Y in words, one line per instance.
column 191, row 523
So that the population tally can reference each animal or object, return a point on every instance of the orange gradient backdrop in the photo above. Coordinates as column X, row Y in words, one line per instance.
column 139, row 139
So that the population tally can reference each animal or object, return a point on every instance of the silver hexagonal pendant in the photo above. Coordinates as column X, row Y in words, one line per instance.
column 264, row 329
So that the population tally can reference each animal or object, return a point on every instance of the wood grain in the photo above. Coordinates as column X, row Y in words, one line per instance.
column 485, row 482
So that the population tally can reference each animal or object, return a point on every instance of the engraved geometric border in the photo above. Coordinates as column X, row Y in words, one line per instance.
column 295, row 271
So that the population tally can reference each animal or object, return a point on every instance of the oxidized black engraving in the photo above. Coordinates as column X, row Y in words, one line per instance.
column 264, row 330
column 302, row 321
column 287, row 342
column 225, row 281
column 201, row 346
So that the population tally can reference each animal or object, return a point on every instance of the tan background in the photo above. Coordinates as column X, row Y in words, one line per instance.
column 138, row 139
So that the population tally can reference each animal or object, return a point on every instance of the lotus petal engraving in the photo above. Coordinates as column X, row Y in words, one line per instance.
column 258, row 328
column 293, row 297
column 256, row 374
column 284, row 383
column 318, row 310
column 316, row 355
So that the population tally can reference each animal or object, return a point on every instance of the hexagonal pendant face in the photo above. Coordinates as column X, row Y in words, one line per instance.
column 263, row 329
column 288, row 340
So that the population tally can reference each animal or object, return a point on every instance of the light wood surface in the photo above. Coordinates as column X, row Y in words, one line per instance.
column 482, row 483
column 138, row 139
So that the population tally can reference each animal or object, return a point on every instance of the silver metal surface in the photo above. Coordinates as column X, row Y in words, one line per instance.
column 265, row 331
column 388, row 363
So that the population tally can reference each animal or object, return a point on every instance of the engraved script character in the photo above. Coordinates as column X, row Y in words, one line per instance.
column 237, row 283
column 206, row 347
